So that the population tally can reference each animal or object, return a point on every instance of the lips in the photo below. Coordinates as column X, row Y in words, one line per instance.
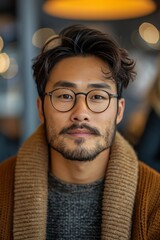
column 79, row 132
column 84, row 129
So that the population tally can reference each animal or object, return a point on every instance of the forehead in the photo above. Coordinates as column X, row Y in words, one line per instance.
column 81, row 70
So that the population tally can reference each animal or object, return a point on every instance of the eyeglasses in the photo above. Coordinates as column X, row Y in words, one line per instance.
column 63, row 99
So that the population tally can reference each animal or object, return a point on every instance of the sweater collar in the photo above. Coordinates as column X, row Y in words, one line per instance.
column 119, row 191
column 31, row 189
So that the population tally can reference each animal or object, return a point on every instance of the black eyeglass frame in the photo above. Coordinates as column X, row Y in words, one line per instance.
column 85, row 94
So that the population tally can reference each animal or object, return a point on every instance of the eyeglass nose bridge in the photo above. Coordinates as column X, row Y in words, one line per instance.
column 80, row 93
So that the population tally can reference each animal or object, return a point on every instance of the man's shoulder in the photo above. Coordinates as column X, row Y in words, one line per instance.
column 147, row 171
column 148, row 181
column 7, row 173
column 7, row 167
column 146, row 218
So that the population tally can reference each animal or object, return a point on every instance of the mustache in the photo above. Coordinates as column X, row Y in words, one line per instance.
column 92, row 130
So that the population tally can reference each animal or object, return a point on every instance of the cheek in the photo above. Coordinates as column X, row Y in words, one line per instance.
column 55, row 119
column 109, row 116
column 105, row 121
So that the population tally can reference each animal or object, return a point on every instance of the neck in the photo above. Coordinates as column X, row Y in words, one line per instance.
column 77, row 171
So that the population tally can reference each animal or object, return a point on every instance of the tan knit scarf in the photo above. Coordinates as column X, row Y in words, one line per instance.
column 31, row 190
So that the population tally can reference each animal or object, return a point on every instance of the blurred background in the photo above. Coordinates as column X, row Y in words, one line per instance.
column 25, row 25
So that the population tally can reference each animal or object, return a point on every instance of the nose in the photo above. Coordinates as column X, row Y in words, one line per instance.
column 80, row 112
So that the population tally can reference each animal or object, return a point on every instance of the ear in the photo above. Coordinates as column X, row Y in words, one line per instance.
column 120, row 110
column 40, row 109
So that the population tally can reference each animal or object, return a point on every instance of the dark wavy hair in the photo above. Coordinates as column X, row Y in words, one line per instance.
column 79, row 40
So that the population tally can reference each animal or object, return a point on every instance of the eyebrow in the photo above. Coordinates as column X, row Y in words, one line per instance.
column 73, row 85
column 99, row 85
column 65, row 84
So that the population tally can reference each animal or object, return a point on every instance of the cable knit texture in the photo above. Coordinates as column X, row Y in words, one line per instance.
column 131, row 199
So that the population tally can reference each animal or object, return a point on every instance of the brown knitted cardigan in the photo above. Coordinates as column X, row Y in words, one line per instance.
column 131, row 200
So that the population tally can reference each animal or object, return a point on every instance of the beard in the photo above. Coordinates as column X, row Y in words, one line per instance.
column 82, row 151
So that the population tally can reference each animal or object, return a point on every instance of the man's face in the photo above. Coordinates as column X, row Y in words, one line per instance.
column 80, row 134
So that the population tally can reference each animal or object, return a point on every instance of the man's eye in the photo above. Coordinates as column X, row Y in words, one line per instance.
column 97, row 97
column 65, row 96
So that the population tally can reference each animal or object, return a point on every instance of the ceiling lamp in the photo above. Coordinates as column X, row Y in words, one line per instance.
column 149, row 33
column 99, row 9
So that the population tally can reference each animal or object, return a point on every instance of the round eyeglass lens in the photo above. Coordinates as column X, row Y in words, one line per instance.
column 63, row 99
column 98, row 100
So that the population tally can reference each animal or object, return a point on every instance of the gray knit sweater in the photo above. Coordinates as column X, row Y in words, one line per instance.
column 74, row 210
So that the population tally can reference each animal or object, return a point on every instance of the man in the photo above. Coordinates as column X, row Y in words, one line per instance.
column 76, row 177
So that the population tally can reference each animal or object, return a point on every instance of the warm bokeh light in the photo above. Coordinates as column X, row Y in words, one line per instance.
column 4, row 62
column 41, row 36
column 1, row 43
column 12, row 70
column 149, row 33
column 99, row 9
